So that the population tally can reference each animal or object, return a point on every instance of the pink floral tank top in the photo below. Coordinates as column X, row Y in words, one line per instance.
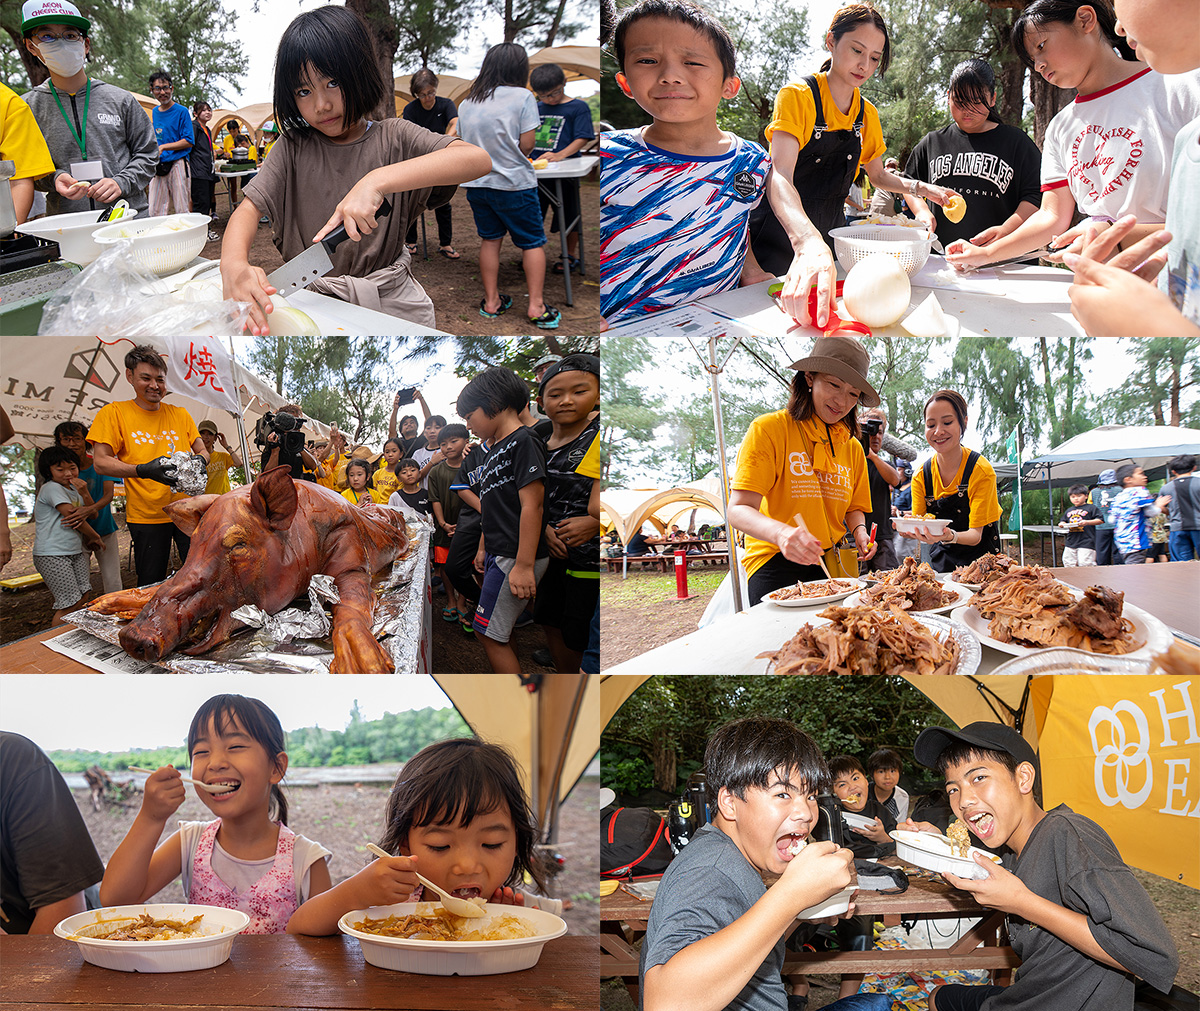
column 270, row 901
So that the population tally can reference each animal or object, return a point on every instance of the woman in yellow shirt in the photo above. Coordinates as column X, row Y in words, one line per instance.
column 801, row 477
column 821, row 132
column 967, row 497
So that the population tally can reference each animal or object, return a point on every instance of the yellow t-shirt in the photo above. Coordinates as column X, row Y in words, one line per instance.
column 350, row 495
column 218, row 473
column 795, row 113
column 229, row 145
column 21, row 140
column 138, row 436
column 385, row 481
column 985, row 503
column 775, row 460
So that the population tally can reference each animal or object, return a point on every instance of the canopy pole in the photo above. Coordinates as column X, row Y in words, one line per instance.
column 714, row 370
column 1050, row 496
column 1020, row 504
column 241, row 427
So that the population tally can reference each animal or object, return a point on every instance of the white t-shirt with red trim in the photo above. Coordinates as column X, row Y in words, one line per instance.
column 1113, row 147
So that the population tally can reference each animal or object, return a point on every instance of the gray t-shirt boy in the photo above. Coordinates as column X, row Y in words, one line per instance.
column 708, row 886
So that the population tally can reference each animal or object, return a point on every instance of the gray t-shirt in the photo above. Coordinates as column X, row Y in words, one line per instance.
column 1185, row 501
column 1071, row 861
column 708, row 886
column 53, row 536
column 496, row 126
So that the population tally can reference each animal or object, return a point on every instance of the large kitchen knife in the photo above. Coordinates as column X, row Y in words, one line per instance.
column 300, row 271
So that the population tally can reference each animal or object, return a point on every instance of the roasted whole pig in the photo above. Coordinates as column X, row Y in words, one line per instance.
column 261, row 544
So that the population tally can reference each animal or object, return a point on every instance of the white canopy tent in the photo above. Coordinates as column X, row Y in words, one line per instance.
column 1082, row 458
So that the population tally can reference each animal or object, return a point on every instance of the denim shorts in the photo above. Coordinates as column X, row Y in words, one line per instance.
column 513, row 212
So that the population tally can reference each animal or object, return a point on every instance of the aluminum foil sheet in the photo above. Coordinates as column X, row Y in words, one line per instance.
column 1064, row 660
column 191, row 473
column 296, row 640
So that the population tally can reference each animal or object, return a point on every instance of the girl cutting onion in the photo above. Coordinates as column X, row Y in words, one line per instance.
column 957, row 485
column 458, row 814
column 821, row 132
column 801, row 479
column 247, row 858
column 332, row 165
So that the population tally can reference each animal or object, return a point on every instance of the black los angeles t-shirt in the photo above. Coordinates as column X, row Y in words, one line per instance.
column 436, row 119
column 512, row 463
column 994, row 171
column 568, row 492
column 1084, row 537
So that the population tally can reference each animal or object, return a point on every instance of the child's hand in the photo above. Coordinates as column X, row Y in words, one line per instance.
column 480, row 563
column 1001, row 889
column 876, row 833
column 577, row 530
column 245, row 283
column 821, row 869
column 95, row 543
column 163, row 793
column 522, row 582
column 385, row 880
column 554, row 543
column 79, row 484
column 75, row 516
column 449, row 528
column 908, row 825
column 356, row 212
column 507, row 896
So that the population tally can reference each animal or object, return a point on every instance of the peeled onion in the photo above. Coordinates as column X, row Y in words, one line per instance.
column 287, row 321
column 926, row 320
column 877, row 290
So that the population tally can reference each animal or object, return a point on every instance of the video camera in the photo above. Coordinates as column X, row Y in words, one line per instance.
column 871, row 426
column 286, row 426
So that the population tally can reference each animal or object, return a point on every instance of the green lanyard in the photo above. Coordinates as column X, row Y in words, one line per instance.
column 81, row 137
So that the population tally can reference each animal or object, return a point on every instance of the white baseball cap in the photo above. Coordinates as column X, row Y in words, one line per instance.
column 52, row 12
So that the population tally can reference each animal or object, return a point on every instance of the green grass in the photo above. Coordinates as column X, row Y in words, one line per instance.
column 643, row 586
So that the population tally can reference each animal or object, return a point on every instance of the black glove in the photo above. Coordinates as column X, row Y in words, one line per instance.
column 161, row 470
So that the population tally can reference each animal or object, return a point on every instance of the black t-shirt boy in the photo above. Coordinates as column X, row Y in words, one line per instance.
column 568, row 493
column 418, row 500
column 860, row 845
column 1082, row 537
column 513, row 462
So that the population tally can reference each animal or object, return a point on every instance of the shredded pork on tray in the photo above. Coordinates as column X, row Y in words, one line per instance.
column 147, row 928
column 865, row 640
column 440, row 925
column 1028, row 606
column 913, row 586
column 1180, row 660
column 825, row 588
column 984, row 569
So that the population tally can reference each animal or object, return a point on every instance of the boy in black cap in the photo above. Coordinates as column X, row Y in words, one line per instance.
column 1081, row 923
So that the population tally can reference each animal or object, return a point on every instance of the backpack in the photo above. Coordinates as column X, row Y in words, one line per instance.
column 633, row 840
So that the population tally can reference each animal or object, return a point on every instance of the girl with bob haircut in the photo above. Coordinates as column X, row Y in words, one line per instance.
column 457, row 813
column 333, row 165
column 500, row 114
column 801, row 480
column 978, row 154
column 1108, row 153
column 822, row 131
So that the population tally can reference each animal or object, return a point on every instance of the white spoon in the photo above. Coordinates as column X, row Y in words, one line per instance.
column 211, row 788
column 457, row 906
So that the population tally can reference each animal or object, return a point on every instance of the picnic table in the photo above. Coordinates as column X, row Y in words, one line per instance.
column 1167, row 590
column 288, row 971
column 623, row 918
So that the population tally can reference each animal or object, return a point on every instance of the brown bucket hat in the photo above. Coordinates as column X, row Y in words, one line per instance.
column 844, row 357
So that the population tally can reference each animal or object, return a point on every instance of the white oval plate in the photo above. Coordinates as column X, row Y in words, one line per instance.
column 811, row 601
column 857, row 820
column 1154, row 634
column 186, row 954
column 964, row 594
column 908, row 526
column 932, row 852
column 837, row 903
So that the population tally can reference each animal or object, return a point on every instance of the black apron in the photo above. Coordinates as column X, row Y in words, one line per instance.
column 956, row 507
column 825, row 169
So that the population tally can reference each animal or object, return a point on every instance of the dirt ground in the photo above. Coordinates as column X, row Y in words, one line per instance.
column 454, row 285
column 29, row 612
column 344, row 818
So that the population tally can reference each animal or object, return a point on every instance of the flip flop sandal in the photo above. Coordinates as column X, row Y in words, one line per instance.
column 559, row 268
column 450, row 253
column 505, row 305
column 547, row 320
column 449, row 614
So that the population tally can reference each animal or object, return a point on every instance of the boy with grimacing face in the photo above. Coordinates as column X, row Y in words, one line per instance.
column 715, row 937
column 1081, row 923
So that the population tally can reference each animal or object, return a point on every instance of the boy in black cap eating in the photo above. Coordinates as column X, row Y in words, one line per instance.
column 1081, row 923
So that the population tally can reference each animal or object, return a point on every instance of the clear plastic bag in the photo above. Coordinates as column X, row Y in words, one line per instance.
column 115, row 296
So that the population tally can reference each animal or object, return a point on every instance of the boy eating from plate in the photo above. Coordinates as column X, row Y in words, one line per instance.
column 1081, row 923
column 715, row 937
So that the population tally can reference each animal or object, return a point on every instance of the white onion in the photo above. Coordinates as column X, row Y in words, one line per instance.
column 926, row 320
column 877, row 290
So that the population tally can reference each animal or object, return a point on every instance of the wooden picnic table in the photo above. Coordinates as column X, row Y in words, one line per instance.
column 288, row 971
column 623, row 918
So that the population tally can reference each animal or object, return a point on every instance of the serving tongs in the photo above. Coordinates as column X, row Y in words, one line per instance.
column 210, row 787
column 453, row 904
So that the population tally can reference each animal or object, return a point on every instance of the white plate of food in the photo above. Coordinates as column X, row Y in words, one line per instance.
column 809, row 595
column 836, row 904
column 516, row 938
column 155, row 937
column 935, row 853
column 962, row 595
column 928, row 525
column 857, row 820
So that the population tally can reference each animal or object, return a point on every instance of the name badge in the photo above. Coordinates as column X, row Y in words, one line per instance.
column 88, row 171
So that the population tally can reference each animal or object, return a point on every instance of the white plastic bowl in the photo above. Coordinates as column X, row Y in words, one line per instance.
column 837, row 903
column 219, row 927
column 163, row 254
column 857, row 820
column 924, row 849
column 454, row 958
column 912, row 525
column 910, row 246
column 73, row 232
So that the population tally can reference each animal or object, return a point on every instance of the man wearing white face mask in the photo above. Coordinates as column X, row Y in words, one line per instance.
column 101, row 140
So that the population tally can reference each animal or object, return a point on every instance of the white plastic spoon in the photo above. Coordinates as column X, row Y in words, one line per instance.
column 459, row 907
column 211, row 788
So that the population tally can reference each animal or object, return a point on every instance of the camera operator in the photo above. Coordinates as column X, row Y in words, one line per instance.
column 883, row 477
column 283, row 443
